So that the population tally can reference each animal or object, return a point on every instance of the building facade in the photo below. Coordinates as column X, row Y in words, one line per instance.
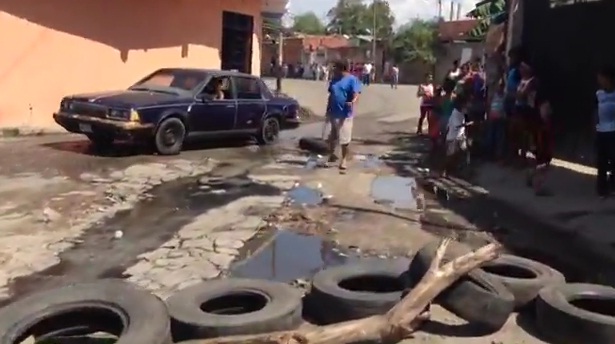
column 57, row 47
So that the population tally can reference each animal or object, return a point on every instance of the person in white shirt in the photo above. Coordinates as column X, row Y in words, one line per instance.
column 456, row 140
column 425, row 92
column 367, row 73
column 394, row 76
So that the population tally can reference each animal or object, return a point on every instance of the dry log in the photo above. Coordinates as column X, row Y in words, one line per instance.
column 395, row 325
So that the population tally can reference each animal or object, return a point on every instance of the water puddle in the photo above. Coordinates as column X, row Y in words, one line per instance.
column 302, row 195
column 397, row 192
column 291, row 256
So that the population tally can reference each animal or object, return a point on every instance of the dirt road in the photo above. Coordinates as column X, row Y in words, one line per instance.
column 68, row 214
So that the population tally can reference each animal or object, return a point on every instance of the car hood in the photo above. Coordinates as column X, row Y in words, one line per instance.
column 126, row 99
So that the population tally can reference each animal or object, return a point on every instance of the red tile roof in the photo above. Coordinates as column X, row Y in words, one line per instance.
column 456, row 30
column 326, row 42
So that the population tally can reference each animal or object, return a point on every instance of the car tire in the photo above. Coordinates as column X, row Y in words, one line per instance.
column 269, row 131
column 113, row 306
column 564, row 322
column 477, row 297
column 523, row 277
column 355, row 291
column 169, row 137
column 198, row 312
column 101, row 140
column 314, row 145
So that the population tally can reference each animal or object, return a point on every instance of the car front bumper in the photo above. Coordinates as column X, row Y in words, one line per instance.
column 81, row 124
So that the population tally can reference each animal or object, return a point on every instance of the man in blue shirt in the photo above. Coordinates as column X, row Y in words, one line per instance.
column 344, row 90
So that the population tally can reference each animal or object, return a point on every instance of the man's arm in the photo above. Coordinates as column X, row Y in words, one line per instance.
column 356, row 90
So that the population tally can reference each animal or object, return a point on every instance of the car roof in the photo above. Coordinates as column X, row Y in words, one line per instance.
column 216, row 72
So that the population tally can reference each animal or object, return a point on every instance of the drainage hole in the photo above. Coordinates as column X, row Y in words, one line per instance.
column 372, row 284
column 85, row 323
column 595, row 305
column 234, row 304
column 509, row 271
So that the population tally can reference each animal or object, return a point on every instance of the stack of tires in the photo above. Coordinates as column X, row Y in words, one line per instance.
column 564, row 313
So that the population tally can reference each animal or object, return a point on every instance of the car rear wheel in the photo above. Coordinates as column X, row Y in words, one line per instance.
column 170, row 136
column 269, row 132
column 101, row 140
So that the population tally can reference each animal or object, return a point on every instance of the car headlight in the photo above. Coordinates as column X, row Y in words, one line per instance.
column 134, row 116
column 120, row 114
column 65, row 104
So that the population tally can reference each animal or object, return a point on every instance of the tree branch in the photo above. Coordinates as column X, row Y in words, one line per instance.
column 397, row 324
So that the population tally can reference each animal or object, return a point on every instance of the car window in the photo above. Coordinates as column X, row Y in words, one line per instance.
column 186, row 80
column 248, row 88
column 219, row 88
column 265, row 90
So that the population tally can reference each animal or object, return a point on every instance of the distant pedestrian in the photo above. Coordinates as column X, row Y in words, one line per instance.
column 367, row 73
column 394, row 76
column 344, row 90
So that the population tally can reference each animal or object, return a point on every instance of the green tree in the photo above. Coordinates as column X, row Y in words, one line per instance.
column 354, row 17
column 416, row 41
column 309, row 23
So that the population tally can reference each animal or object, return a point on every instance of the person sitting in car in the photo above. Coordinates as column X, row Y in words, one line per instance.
column 218, row 92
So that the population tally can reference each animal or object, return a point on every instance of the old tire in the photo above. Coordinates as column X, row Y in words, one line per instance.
column 356, row 291
column 112, row 306
column 559, row 315
column 314, row 145
column 269, row 131
column 233, row 307
column 523, row 277
column 476, row 297
column 169, row 137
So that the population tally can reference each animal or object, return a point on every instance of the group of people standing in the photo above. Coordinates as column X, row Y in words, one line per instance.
column 503, row 120
column 509, row 117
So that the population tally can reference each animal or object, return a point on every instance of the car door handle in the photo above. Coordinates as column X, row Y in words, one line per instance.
column 230, row 106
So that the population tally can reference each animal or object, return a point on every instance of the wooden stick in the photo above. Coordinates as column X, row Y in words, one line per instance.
column 397, row 324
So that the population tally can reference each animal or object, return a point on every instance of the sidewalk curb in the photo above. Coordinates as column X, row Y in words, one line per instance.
column 13, row 132
column 598, row 249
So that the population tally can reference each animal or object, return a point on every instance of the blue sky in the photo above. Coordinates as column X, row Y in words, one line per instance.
column 404, row 9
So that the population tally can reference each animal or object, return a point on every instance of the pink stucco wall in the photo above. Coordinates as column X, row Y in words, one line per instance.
column 52, row 48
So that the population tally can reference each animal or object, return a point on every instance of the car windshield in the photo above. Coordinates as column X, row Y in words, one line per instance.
column 174, row 81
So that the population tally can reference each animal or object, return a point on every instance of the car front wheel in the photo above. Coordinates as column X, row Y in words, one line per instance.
column 269, row 132
column 169, row 137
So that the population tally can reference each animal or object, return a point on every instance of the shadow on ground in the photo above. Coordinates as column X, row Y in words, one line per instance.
column 128, row 149
column 491, row 217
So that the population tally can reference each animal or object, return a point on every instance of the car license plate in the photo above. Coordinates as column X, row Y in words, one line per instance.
column 85, row 128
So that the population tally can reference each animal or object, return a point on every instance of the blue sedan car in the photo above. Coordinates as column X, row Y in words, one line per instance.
column 172, row 104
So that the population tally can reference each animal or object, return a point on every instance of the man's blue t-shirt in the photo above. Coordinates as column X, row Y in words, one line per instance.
column 341, row 91
column 512, row 80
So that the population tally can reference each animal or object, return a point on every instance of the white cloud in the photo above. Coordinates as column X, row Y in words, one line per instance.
column 404, row 10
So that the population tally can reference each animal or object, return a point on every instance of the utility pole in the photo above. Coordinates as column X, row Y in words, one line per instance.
column 440, row 10
column 279, row 74
column 451, row 16
column 374, row 44
column 458, row 10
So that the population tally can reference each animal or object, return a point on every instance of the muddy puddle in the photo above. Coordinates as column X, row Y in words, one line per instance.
column 149, row 224
column 286, row 256
column 397, row 192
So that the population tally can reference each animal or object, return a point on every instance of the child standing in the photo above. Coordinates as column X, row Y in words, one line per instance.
column 605, row 130
column 433, row 124
column 455, row 134
column 496, row 123
column 425, row 92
